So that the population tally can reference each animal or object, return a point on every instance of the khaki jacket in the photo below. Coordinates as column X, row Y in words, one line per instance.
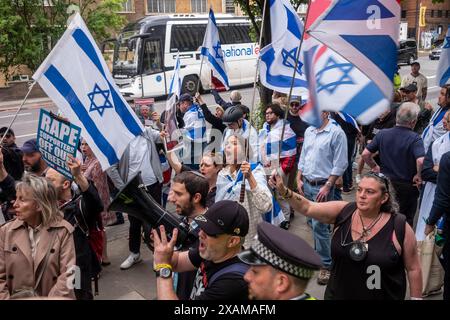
column 18, row 270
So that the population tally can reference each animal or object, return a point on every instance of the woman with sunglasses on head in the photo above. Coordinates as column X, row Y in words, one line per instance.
column 371, row 246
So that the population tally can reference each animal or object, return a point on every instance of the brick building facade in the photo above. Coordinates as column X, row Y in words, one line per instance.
column 437, row 17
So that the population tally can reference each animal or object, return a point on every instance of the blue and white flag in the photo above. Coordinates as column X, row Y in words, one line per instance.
column 276, row 215
column 77, row 79
column 212, row 50
column 349, row 119
column 337, row 85
column 278, row 58
column 170, row 119
column 269, row 141
column 366, row 33
column 175, row 83
column 443, row 71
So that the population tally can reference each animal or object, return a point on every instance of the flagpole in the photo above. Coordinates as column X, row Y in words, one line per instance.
column 200, row 74
column 292, row 86
column 17, row 112
column 247, row 142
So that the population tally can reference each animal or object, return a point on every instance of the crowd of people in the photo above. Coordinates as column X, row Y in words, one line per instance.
column 239, row 189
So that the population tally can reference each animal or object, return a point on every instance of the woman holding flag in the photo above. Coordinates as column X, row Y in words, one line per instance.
column 258, row 198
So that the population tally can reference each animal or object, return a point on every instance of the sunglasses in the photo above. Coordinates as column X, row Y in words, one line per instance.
column 380, row 176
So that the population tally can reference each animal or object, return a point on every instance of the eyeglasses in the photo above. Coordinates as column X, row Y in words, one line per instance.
column 381, row 176
column 295, row 104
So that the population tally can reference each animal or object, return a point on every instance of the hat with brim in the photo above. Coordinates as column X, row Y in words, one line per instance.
column 250, row 258
column 224, row 217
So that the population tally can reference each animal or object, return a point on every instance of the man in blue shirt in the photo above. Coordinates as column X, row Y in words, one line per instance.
column 441, row 207
column 401, row 158
column 322, row 161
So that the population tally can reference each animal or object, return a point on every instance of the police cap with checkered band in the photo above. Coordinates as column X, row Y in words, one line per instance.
column 282, row 250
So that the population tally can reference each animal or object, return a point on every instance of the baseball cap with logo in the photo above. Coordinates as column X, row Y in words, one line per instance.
column 224, row 217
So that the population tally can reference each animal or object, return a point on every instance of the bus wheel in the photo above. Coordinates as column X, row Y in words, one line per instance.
column 190, row 85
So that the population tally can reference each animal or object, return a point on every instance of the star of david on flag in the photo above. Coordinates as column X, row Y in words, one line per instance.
column 443, row 70
column 76, row 77
column 364, row 32
column 212, row 51
column 335, row 83
column 278, row 59
column 96, row 105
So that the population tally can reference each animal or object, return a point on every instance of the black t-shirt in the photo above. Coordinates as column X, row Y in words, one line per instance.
column 229, row 286
column 399, row 148
column 297, row 125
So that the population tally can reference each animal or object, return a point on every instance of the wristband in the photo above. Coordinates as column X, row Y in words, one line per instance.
column 415, row 298
column 159, row 266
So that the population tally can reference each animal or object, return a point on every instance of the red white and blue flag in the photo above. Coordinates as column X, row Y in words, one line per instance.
column 336, row 84
column 366, row 33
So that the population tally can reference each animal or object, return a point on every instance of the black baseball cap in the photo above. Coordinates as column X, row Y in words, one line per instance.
column 224, row 217
column 409, row 88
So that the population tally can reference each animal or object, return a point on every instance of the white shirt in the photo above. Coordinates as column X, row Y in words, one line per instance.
column 420, row 81
column 140, row 160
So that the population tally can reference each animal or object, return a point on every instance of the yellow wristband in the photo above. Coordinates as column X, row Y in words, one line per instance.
column 159, row 266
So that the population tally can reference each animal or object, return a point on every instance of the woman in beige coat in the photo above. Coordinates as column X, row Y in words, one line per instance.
column 37, row 253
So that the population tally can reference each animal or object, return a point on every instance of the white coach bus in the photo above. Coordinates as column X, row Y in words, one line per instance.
column 145, row 52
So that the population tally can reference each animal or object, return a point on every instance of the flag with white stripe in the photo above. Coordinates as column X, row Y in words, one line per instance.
column 278, row 58
column 443, row 70
column 335, row 84
column 75, row 76
column 212, row 50
column 269, row 141
column 276, row 215
column 366, row 33
column 170, row 118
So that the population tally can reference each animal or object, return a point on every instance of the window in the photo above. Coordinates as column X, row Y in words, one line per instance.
column 229, row 6
column 432, row 13
column 128, row 6
column 187, row 37
column 447, row 14
column 160, row 6
column 152, row 58
column 439, row 13
column 198, row 6
column 403, row 14
column 231, row 34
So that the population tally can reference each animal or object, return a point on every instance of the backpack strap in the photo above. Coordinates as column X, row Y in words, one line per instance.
column 236, row 268
column 399, row 228
column 345, row 214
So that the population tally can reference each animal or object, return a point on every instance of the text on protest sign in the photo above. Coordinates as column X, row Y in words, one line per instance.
column 56, row 140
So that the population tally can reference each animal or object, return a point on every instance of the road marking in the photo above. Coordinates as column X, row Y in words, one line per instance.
column 433, row 87
column 20, row 114
column 431, row 77
column 26, row 135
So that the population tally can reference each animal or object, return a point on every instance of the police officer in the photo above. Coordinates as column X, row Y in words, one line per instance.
column 281, row 265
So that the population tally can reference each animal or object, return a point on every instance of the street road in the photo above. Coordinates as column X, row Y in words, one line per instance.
column 25, row 126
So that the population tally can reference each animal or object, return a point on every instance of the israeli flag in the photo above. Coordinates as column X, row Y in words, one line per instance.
column 366, row 33
column 278, row 58
column 76, row 77
column 443, row 70
column 212, row 50
column 270, row 141
column 175, row 83
column 276, row 215
column 349, row 119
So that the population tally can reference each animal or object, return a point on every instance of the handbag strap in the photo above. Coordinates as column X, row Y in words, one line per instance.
column 44, row 266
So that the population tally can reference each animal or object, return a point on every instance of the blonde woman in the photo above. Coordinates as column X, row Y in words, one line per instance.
column 37, row 253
